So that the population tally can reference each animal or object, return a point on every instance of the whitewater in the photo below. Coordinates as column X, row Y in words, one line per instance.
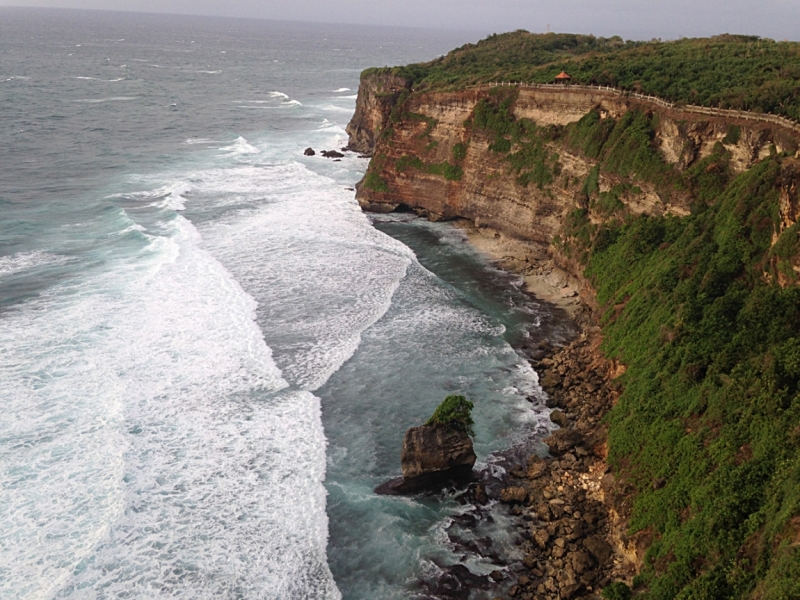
column 209, row 353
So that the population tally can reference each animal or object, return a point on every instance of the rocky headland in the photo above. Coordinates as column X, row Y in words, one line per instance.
column 575, row 188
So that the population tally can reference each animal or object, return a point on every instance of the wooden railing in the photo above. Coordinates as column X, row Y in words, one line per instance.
column 703, row 110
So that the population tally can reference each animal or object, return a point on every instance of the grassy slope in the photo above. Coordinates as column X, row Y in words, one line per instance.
column 739, row 72
column 707, row 430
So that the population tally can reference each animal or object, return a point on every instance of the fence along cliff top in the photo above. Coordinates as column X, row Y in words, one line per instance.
column 703, row 110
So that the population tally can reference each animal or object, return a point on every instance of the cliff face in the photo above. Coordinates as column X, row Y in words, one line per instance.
column 410, row 146
column 377, row 96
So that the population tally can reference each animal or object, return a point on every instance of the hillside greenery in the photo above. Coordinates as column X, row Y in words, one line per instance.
column 740, row 72
column 706, row 433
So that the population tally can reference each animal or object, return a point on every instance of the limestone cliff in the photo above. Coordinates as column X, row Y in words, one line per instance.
column 377, row 96
column 428, row 156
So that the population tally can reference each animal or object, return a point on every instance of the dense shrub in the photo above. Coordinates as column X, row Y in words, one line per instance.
column 459, row 151
column 710, row 402
column 454, row 412
column 741, row 72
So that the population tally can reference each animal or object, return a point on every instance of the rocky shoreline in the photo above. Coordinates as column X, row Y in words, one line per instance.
column 565, row 517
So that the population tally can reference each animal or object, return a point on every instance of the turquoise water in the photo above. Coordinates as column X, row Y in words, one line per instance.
column 209, row 353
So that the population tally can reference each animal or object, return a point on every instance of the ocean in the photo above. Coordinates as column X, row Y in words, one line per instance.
column 208, row 354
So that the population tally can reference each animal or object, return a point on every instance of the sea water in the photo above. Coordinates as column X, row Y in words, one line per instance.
column 208, row 353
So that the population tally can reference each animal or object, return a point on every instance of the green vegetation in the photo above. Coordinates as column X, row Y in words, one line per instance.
column 531, row 161
column 373, row 181
column 609, row 203
column 711, row 400
column 459, row 151
column 617, row 591
column 454, row 412
column 629, row 150
column 592, row 183
column 444, row 169
column 733, row 135
column 740, row 72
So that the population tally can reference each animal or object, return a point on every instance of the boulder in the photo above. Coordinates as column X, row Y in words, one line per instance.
column 480, row 495
column 537, row 469
column 435, row 449
column 581, row 562
column 559, row 418
column 550, row 380
column 514, row 495
column 598, row 548
column 562, row 441
column 309, row 152
column 570, row 591
column 332, row 154
column 432, row 456
column 541, row 537
column 455, row 582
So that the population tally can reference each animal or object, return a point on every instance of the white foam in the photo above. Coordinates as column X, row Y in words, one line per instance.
column 278, row 95
column 23, row 261
column 333, row 108
column 341, row 136
column 147, row 445
column 195, row 141
column 239, row 147
column 112, row 99
column 104, row 80
column 134, row 227
column 175, row 201
column 170, row 196
column 340, row 90
column 322, row 273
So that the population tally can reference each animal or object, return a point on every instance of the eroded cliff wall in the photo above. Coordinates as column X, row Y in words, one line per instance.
column 429, row 156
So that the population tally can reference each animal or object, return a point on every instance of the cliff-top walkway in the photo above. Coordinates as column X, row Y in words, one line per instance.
column 690, row 108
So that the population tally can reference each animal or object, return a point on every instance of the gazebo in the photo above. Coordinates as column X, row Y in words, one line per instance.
column 563, row 78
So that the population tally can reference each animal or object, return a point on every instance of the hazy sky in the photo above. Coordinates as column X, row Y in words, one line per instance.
column 632, row 19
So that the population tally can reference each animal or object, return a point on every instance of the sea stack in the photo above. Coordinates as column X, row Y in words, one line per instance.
column 437, row 453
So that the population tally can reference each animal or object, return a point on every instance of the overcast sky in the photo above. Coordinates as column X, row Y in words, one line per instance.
column 632, row 19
